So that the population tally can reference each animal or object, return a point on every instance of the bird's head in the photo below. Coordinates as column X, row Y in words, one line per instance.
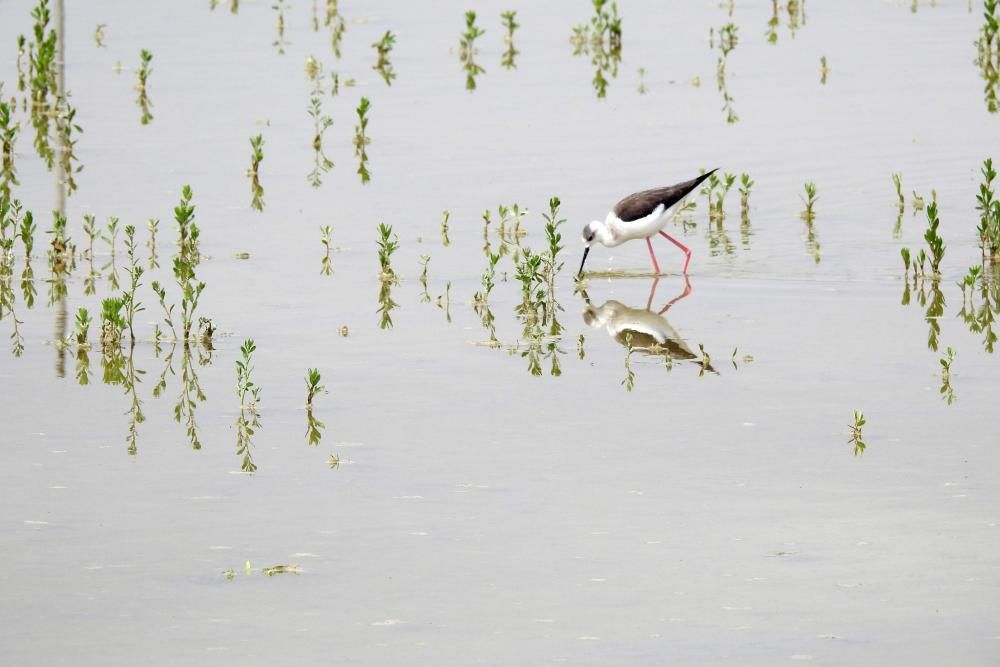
column 590, row 236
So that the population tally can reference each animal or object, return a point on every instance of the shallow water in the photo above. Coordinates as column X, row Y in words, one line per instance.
column 481, row 514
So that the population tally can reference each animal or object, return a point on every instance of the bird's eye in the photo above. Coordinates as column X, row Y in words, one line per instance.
column 590, row 237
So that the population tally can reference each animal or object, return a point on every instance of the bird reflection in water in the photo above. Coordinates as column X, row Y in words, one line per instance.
column 648, row 330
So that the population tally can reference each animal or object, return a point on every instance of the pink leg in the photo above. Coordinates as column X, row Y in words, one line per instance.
column 652, row 293
column 687, row 291
column 687, row 252
column 656, row 266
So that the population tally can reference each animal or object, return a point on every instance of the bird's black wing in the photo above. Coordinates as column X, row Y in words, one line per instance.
column 641, row 204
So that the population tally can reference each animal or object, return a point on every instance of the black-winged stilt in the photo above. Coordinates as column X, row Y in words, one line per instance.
column 640, row 216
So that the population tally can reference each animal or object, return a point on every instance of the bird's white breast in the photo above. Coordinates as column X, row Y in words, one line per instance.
column 641, row 228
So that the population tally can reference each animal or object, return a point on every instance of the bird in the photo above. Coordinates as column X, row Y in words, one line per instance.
column 640, row 216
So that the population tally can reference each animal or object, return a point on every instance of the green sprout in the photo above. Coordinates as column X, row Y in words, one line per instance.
column 728, row 39
column 248, row 420
column 132, row 306
column 314, row 427
column 445, row 241
column 321, row 123
column 142, row 86
column 467, row 50
column 856, row 435
column 99, row 35
column 989, row 213
column 382, row 64
column 325, row 233
column 947, row 393
column 387, row 244
column 253, row 172
column 361, row 139
column 809, row 214
column 934, row 241
column 824, row 70
column 510, row 24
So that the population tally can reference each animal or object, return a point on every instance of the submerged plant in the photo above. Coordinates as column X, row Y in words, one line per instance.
column 856, row 435
column 361, row 139
column 382, row 63
column 467, row 50
column 314, row 427
column 510, row 24
column 248, row 420
column 186, row 261
column 142, row 86
column 387, row 243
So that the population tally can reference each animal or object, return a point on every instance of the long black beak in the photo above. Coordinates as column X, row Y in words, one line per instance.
column 586, row 251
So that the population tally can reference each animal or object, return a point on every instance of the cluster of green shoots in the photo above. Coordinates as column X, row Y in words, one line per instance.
column 716, row 189
column 361, row 139
column 280, row 42
column 382, row 64
column 856, row 434
column 186, row 262
column 326, row 232
column 314, row 427
column 935, row 244
column 142, row 86
column 321, row 122
column 253, row 172
column 926, row 264
column 988, row 53
column 989, row 214
column 467, row 50
column 601, row 39
column 980, row 319
column 728, row 39
column 248, row 420
column 745, row 187
column 510, row 24
column 387, row 243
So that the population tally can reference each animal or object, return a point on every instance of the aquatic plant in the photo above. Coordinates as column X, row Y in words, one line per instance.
column 321, row 123
column 82, row 327
column 8, row 137
column 824, row 70
column 313, row 386
column 580, row 352
column 279, row 43
column 112, row 323
column 253, row 172
column 142, row 86
column 335, row 21
column 601, row 39
column 989, row 214
column 856, row 434
column 897, row 181
column 445, row 241
column 42, row 77
column 168, row 311
column 988, row 53
column 132, row 306
column 27, row 233
column 90, row 229
column 642, row 81
column 947, row 392
column 510, row 24
column 326, row 267
column 99, row 35
column 809, row 214
column 629, row 381
column 387, row 244
column 773, row 23
column 467, row 50
column 424, row 261
column 905, row 253
column 66, row 127
column 361, row 139
column 728, row 39
column 151, row 226
column 383, row 65
column 314, row 427
column 186, row 261
column 935, row 243
column 248, row 420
